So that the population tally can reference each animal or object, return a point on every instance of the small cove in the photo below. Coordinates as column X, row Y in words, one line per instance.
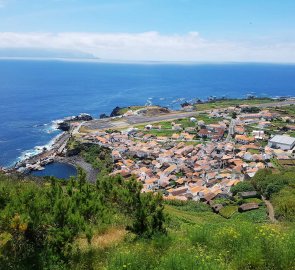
column 56, row 169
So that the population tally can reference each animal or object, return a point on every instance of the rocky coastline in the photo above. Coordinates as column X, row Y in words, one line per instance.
column 56, row 153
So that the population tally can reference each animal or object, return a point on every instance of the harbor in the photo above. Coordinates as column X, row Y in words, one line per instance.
column 47, row 156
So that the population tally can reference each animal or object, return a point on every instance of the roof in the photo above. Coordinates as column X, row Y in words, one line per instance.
column 283, row 139
column 248, row 206
column 244, row 138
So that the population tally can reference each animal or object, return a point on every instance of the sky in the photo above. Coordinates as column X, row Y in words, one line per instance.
column 152, row 30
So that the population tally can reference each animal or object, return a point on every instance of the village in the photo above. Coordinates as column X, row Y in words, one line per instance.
column 200, row 157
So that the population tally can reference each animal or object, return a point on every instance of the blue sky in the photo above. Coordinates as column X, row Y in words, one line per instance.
column 239, row 25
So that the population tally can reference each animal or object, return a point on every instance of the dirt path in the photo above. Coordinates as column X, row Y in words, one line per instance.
column 270, row 210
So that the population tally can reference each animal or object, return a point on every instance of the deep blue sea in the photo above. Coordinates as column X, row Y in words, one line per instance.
column 35, row 93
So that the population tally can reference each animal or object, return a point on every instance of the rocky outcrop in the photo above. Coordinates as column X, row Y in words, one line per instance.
column 185, row 104
column 103, row 116
column 65, row 124
column 115, row 112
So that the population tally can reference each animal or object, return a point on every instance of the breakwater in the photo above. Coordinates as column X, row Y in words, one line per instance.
column 37, row 162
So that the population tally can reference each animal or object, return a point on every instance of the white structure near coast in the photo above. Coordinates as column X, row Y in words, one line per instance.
column 283, row 142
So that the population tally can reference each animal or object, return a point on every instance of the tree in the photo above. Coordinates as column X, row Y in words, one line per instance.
column 149, row 216
column 234, row 115
column 242, row 187
column 145, row 210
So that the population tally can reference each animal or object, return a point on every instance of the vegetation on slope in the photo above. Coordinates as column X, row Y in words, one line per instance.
column 53, row 224
column 279, row 187
column 40, row 222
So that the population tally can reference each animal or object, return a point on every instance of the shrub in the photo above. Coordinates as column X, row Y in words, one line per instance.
column 242, row 187
column 284, row 203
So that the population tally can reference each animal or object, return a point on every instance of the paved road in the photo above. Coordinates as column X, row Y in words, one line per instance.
column 231, row 130
column 276, row 104
column 136, row 120
column 126, row 122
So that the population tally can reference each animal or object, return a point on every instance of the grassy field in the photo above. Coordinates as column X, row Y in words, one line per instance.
column 161, row 133
column 196, row 239
column 231, row 102
column 207, row 119
column 286, row 111
column 126, row 109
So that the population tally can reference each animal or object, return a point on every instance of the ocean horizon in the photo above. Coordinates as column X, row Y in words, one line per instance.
column 34, row 94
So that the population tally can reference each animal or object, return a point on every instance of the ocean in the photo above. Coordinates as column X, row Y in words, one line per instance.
column 35, row 93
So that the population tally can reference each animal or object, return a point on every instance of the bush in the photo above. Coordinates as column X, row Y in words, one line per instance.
column 284, row 203
column 269, row 183
column 40, row 222
column 242, row 187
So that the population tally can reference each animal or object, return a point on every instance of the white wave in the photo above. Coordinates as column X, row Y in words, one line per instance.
column 148, row 103
column 37, row 149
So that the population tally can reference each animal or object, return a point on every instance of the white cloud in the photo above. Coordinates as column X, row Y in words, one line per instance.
column 153, row 46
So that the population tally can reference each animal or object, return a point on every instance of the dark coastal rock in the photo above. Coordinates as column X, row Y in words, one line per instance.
column 185, row 104
column 83, row 117
column 103, row 115
column 115, row 112
column 65, row 124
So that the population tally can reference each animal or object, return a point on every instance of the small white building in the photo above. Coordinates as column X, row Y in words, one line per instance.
column 258, row 134
column 283, row 142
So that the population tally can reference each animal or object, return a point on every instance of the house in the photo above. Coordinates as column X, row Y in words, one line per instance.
column 258, row 134
column 177, row 191
column 248, row 206
column 208, row 197
column 239, row 130
column 248, row 194
column 283, row 142
column 244, row 139
column 215, row 134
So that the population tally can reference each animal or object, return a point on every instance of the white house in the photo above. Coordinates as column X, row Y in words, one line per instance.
column 258, row 134
column 283, row 142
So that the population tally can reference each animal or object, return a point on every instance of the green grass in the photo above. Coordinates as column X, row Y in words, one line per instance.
column 284, row 204
column 163, row 124
column 231, row 102
column 207, row 119
column 199, row 239
column 252, row 200
column 185, row 123
column 255, row 216
column 287, row 110
column 276, row 163
column 161, row 133
column 133, row 108
column 228, row 211
column 254, row 151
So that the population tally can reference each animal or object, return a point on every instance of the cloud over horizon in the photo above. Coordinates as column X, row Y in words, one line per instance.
column 153, row 46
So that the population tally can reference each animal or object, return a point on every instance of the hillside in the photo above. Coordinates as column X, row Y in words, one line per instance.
column 53, row 224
